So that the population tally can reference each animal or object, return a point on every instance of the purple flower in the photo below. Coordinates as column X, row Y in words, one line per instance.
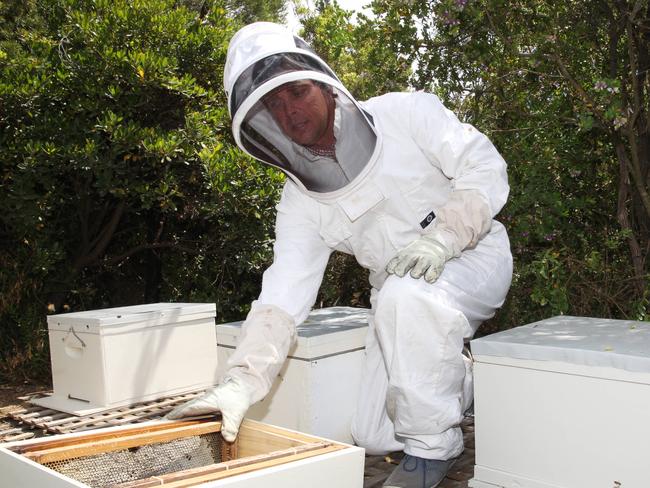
column 448, row 19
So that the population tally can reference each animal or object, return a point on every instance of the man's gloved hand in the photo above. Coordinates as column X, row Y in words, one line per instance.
column 231, row 398
column 426, row 256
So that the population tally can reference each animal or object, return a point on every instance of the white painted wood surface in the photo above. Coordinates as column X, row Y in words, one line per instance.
column 560, row 424
column 342, row 468
column 112, row 357
column 18, row 472
column 316, row 391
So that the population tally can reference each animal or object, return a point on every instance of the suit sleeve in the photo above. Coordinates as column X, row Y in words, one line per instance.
column 472, row 163
column 289, row 289
column 300, row 256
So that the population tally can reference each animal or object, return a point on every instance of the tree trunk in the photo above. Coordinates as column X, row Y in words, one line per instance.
column 623, row 217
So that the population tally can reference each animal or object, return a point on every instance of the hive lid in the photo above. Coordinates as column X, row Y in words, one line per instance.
column 326, row 331
column 619, row 344
column 147, row 315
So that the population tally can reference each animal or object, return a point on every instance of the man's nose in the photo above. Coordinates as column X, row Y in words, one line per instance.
column 290, row 108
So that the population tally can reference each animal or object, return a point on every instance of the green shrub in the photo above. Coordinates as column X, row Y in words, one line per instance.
column 120, row 183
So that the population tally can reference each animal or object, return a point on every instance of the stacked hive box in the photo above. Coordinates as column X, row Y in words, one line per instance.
column 563, row 403
column 317, row 389
column 117, row 356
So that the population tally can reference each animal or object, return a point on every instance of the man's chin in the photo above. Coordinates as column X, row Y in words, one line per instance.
column 302, row 140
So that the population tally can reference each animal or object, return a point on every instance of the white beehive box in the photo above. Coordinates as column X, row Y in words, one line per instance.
column 118, row 356
column 563, row 403
column 181, row 455
column 316, row 391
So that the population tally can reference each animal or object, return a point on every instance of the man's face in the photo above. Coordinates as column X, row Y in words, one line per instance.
column 302, row 111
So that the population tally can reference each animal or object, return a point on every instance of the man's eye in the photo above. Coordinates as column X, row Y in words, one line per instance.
column 299, row 92
column 273, row 104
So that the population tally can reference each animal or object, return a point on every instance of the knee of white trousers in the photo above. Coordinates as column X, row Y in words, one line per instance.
column 397, row 289
column 417, row 307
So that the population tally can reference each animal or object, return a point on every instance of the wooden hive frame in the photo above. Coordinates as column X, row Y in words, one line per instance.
column 259, row 450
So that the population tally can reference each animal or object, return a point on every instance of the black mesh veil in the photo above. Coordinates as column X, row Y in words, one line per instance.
column 266, row 134
column 269, row 67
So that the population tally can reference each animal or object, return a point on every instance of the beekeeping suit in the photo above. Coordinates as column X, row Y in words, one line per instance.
column 405, row 177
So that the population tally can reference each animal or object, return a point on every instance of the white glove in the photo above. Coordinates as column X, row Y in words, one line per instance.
column 231, row 398
column 424, row 256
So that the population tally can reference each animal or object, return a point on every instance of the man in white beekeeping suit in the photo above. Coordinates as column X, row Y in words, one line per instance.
column 400, row 183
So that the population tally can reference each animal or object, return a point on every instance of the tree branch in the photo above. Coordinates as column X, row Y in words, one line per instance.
column 623, row 216
column 635, row 160
column 143, row 247
column 103, row 240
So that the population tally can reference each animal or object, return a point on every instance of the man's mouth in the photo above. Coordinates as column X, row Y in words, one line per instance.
column 299, row 126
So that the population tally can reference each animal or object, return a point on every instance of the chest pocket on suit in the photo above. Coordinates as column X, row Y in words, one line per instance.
column 363, row 209
column 362, row 200
column 335, row 238
column 334, row 230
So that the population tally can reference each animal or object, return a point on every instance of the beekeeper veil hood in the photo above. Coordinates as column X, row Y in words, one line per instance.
column 290, row 110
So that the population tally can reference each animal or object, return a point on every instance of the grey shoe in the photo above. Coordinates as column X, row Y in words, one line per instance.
column 417, row 472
